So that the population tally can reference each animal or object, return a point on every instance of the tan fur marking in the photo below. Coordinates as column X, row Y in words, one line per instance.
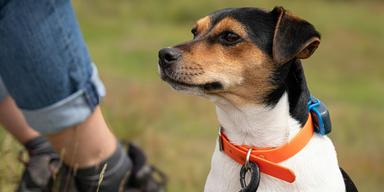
column 202, row 25
column 229, row 24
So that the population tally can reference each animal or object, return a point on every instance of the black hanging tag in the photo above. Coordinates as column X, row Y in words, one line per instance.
column 253, row 184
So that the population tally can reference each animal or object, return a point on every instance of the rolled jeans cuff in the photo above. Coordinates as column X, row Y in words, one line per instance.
column 70, row 111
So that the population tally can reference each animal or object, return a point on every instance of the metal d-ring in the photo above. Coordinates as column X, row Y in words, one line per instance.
column 248, row 156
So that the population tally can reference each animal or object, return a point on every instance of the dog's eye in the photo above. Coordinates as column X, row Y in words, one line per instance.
column 194, row 32
column 229, row 38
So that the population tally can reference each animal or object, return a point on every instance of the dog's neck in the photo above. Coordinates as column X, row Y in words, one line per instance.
column 256, row 125
column 273, row 124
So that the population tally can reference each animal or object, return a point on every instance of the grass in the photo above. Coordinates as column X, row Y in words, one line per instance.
column 178, row 132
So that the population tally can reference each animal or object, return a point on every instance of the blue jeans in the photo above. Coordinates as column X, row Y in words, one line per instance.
column 44, row 64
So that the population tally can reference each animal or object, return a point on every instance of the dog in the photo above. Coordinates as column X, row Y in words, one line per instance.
column 247, row 61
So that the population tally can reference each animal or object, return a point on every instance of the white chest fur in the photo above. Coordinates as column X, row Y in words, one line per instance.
column 315, row 166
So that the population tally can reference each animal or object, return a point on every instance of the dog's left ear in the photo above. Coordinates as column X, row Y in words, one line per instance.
column 293, row 37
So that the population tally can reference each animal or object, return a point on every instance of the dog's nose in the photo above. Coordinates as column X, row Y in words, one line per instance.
column 168, row 56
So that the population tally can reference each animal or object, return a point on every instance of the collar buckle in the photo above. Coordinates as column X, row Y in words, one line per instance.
column 220, row 139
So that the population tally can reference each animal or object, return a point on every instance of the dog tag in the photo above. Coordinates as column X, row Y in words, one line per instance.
column 253, row 184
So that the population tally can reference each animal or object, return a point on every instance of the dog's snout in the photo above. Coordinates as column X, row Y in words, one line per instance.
column 168, row 56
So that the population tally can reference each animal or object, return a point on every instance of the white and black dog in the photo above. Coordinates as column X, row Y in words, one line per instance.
column 247, row 62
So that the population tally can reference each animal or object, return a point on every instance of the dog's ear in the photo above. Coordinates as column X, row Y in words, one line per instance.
column 293, row 37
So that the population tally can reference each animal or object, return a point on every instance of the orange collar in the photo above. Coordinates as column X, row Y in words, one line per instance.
column 267, row 158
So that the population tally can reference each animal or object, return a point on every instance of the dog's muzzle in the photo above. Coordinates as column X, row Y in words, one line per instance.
column 168, row 59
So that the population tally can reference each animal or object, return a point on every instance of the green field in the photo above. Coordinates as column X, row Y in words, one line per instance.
column 179, row 131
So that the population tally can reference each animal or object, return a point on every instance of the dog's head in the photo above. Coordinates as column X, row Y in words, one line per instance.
column 236, row 53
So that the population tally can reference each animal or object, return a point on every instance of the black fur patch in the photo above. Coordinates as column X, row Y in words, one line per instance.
column 259, row 24
column 290, row 78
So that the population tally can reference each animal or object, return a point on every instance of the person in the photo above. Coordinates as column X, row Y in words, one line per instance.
column 50, row 94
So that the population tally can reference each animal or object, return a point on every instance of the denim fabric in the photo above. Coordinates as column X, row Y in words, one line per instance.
column 3, row 90
column 45, row 65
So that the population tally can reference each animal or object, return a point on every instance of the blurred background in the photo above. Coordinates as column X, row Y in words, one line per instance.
column 179, row 132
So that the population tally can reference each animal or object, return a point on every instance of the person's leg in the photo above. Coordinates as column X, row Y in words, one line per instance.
column 46, row 68
column 85, row 144
column 13, row 121
column 42, row 157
